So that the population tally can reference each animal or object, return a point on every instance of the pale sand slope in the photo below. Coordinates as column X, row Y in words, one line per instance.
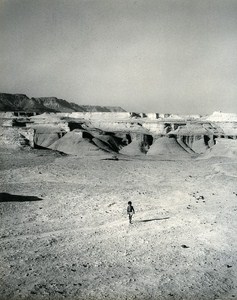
column 222, row 148
column 133, row 149
column 168, row 147
column 76, row 243
column 73, row 143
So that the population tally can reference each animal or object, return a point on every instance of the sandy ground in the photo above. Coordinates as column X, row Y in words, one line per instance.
column 68, row 235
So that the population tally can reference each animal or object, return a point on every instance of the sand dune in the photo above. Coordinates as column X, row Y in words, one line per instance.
column 222, row 148
column 132, row 149
column 74, row 143
column 165, row 146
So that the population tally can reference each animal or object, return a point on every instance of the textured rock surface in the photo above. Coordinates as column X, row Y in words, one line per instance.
column 20, row 102
column 124, row 132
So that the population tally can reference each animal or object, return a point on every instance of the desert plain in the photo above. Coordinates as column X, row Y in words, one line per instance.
column 65, row 233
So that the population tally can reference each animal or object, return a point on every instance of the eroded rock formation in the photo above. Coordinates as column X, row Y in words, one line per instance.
column 121, row 132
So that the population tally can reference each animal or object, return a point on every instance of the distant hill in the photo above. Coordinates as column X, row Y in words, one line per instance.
column 20, row 102
column 98, row 108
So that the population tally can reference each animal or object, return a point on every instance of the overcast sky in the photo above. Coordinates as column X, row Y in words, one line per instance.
column 163, row 56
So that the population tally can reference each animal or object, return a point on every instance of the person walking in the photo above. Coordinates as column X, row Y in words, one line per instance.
column 130, row 211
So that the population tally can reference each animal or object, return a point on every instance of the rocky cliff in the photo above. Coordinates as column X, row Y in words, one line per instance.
column 20, row 102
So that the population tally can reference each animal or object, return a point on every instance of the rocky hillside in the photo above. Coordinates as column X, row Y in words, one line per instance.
column 20, row 102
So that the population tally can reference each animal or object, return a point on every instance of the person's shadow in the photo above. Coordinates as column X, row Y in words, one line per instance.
column 154, row 219
column 5, row 197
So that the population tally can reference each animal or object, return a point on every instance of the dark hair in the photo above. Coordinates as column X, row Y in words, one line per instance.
column 129, row 202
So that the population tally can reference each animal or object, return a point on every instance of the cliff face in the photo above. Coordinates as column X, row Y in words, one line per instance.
column 20, row 102
column 96, row 108
column 10, row 102
column 54, row 104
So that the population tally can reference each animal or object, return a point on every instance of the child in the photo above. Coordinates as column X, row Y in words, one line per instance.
column 130, row 211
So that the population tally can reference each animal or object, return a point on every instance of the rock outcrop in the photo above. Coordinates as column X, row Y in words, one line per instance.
column 120, row 132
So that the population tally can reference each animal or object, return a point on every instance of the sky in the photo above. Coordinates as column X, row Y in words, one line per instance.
column 167, row 56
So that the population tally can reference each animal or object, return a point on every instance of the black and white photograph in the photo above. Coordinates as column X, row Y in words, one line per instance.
column 118, row 149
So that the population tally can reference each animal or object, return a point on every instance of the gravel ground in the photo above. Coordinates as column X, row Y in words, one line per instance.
column 64, row 231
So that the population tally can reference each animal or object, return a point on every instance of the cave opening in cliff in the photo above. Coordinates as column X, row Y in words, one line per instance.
column 87, row 135
column 206, row 139
column 19, row 122
column 168, row 127
column 74, row 125
column 149, row 139
column 129, row 138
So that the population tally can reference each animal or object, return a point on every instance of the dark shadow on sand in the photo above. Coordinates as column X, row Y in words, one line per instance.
column 155, row 219
column 5, row 197
column 119, row 159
